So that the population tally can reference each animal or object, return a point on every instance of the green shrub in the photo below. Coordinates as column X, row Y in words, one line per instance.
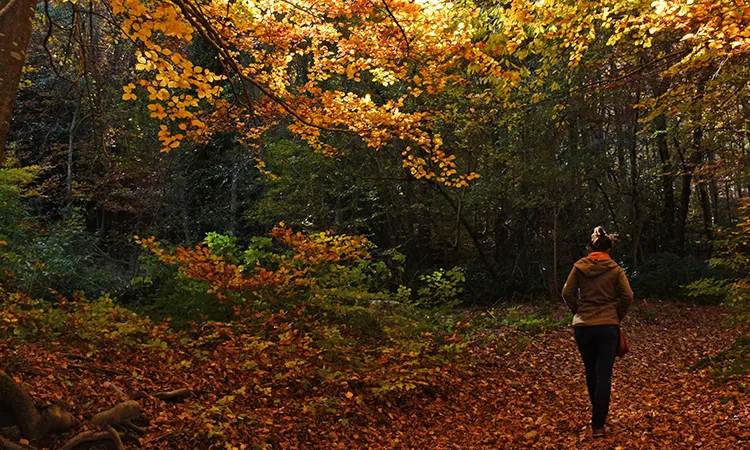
column 665, row 275
column 40, row 260
column 732, row 253
column 440, row 289
column 341, row 289
column 530, row 322
column 99, row 322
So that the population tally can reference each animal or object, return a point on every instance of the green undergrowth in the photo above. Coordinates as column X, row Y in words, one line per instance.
column 732, row 255
column 519, row 318
column 732, row 364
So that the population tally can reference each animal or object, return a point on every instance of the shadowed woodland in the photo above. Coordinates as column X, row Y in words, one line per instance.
column 346, row 224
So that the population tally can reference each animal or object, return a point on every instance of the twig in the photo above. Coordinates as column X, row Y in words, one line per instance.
column 46, row 48
column 198, row 20
column 157, row 438
column 74, row 356
column 94, row 368
column 403, row 32
column 131, row 426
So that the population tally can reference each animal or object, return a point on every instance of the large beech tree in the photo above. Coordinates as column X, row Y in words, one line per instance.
column 15, row 30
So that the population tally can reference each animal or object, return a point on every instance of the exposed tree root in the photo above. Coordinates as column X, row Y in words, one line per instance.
column 33, row 424
column 19, row 407
column 115, row 437
column 120, row 415
column 7, row 444
column 88, row 436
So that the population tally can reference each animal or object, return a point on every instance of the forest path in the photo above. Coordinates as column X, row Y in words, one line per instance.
column 538, row 399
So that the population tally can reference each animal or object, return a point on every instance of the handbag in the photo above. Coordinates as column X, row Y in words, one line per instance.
column 623, row 347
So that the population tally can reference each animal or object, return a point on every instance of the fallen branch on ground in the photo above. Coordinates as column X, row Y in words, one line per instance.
column 171, row 395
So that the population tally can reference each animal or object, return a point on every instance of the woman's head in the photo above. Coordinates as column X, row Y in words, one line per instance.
column 600, row 241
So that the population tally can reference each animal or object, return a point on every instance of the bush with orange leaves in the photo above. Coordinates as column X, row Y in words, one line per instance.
column 285, row 267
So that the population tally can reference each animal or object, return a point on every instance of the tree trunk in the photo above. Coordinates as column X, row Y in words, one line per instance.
column 18, row 405
column 71, row 134
column 555, row 287
column 706, row 208
column 634, row 185
column 500, row 236
column 714, row 190
column 687, row 179
column 15, row 31
column 233, row 198
column 667, row 182
column 488, row 262
column 184, row 213
column 688, row 167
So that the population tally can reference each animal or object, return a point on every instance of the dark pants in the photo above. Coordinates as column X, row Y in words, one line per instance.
column 598, row 347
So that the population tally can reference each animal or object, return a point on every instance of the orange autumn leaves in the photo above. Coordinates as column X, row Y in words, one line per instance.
column 284, row 64
column 367, row 68
column 722, row 27
column 306, row 260
column 541, row 47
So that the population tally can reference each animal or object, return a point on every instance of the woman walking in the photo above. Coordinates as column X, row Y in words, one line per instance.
column 598, row 293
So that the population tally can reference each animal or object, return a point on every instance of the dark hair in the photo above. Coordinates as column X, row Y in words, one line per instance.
column 600, row 240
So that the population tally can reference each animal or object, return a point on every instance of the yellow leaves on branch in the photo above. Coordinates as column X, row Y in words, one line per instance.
column 413, row 47
column 533, row 40
column 172, row 76
column 723, row 27
column 175, row 75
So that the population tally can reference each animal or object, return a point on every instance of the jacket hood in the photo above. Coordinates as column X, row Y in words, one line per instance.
column 594, row 267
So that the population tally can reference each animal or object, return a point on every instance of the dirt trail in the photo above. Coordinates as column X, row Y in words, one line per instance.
column 537, row 399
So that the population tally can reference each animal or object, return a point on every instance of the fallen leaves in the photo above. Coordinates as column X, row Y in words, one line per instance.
column 534, row 397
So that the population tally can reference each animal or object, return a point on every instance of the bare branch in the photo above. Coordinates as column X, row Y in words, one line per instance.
column 170, row 395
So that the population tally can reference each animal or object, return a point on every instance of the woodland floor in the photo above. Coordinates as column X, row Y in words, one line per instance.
column 529, row 394
column 539, row 400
